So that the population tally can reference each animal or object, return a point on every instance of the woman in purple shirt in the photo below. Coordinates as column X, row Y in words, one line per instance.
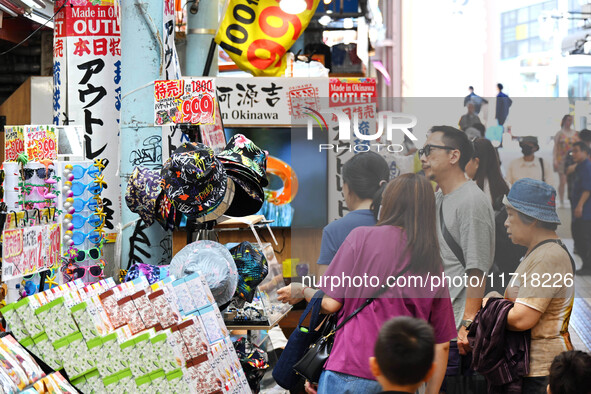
column 404, row 240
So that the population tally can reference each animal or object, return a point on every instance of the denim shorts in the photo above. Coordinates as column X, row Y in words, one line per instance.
column 332, row 382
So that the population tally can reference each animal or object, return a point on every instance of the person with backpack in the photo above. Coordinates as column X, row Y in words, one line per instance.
column 529, row 166
column 484, row 168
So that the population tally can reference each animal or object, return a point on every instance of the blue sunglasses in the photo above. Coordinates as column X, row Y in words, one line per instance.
column 78, row 188
column 78, row 171
column 79, row 237
column 79, row 221
column 80, row 203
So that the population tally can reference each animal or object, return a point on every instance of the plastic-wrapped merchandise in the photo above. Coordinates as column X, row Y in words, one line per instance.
column 212, row 260
column 7, row 381
column 19, row 354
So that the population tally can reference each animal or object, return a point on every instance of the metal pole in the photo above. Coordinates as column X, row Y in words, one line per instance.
column 143, row 61
column 201, row 28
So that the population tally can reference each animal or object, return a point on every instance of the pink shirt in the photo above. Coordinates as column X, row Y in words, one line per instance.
column 378, row 252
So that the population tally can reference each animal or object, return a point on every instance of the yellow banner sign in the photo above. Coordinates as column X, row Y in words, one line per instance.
column 257, row 34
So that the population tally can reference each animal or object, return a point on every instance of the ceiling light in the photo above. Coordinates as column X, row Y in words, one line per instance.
column 41, row 20
column 348, row 23
column 293, row 6
column 325, row 20
column 327, row 1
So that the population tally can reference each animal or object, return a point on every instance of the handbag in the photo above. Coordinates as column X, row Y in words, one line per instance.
column 311, row 364
column 299, row 341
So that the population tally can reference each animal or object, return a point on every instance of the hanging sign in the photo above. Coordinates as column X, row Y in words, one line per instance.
column 41, row 142
column 356, row 97
column 14, row 142
column 87, row 71
column 268, row 101
column 29, row 250
column 257, row 34
column 189, row 101
column 213, row 135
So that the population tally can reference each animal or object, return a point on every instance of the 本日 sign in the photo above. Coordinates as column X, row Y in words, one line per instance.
column 87, row 85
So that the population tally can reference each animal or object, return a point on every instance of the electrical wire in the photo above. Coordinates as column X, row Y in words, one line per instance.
column 36, row 30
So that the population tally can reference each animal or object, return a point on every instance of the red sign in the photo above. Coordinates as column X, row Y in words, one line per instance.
column 90, row 20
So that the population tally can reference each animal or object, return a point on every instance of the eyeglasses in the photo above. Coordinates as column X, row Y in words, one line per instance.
column 80, row 203
column 427, row 149
column 41, row 173
column 93, row 236
column 78, row 221
column 94, row 270
column 90, row 254
column 78, row 188
column 78, row 171
column 43, row 192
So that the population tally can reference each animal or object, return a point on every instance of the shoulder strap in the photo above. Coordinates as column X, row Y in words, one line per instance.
column 378, row 293
column 543, row 174
column 559, row 242
column 449, row 239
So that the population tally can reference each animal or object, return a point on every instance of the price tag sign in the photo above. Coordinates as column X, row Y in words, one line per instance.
column 189, row 101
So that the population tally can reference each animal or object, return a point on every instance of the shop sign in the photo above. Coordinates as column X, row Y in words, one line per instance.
column 29, row 250
column 256, row 34
column 268, row 101
column 14, row 142
column 87, row 70
column 41, row 142
column 189, row 101
column 356, row 98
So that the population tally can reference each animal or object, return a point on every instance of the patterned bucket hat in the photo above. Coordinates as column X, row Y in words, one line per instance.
column 194, row 180
column 248, row 196
column 243, row 153
column 143, row 190
column 252, row 269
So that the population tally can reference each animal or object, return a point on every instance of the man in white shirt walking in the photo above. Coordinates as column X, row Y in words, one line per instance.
column 529, row 166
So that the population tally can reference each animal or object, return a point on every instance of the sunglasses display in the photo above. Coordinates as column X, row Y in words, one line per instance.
column 93, row 236
column 78, row 171
column 90, row 254
column 78, row 188
column 95, row 220
column 41, row 173
column 43, row 191
column 94, row 271
column 80, row 203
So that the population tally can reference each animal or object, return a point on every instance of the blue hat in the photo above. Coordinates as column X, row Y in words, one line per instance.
column 533, row 198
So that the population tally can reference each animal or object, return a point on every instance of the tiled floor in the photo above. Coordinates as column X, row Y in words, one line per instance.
column 580, row 322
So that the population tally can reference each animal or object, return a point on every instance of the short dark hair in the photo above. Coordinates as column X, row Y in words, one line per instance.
column 364, row 173
column 471, row 87
column 405, row 350
column 583, row 146
column 526, row 219
column 500, row 86
column 458, row 140
column 585, row 135
column 570, row 373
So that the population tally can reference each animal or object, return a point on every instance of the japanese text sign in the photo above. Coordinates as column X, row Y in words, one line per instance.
column 257, row 34
column 29, row 250
column 189, row 101
column 14, row 142
column 41, row 142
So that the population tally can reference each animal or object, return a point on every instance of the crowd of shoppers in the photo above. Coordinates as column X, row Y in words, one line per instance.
column 476, row 225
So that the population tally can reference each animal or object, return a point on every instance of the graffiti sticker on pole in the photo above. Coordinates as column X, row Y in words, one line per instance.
column 189, row 101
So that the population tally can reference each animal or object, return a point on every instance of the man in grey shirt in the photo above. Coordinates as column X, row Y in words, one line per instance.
column 467, row 250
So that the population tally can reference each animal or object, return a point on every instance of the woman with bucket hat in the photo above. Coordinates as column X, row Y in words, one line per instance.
column 542, row 287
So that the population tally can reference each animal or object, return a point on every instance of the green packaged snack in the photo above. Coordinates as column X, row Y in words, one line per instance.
column 163, row 354
column 84, row 320
column 176, row 383
column 15, row 324
column 27, row 315
column 159, row 382
column 57, row 319
column 143, row 383
column 80, row 384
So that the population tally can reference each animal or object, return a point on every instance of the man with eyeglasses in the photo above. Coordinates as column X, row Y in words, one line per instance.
column 466, row 229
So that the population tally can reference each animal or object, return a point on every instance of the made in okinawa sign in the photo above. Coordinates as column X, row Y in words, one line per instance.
column 185, row 101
